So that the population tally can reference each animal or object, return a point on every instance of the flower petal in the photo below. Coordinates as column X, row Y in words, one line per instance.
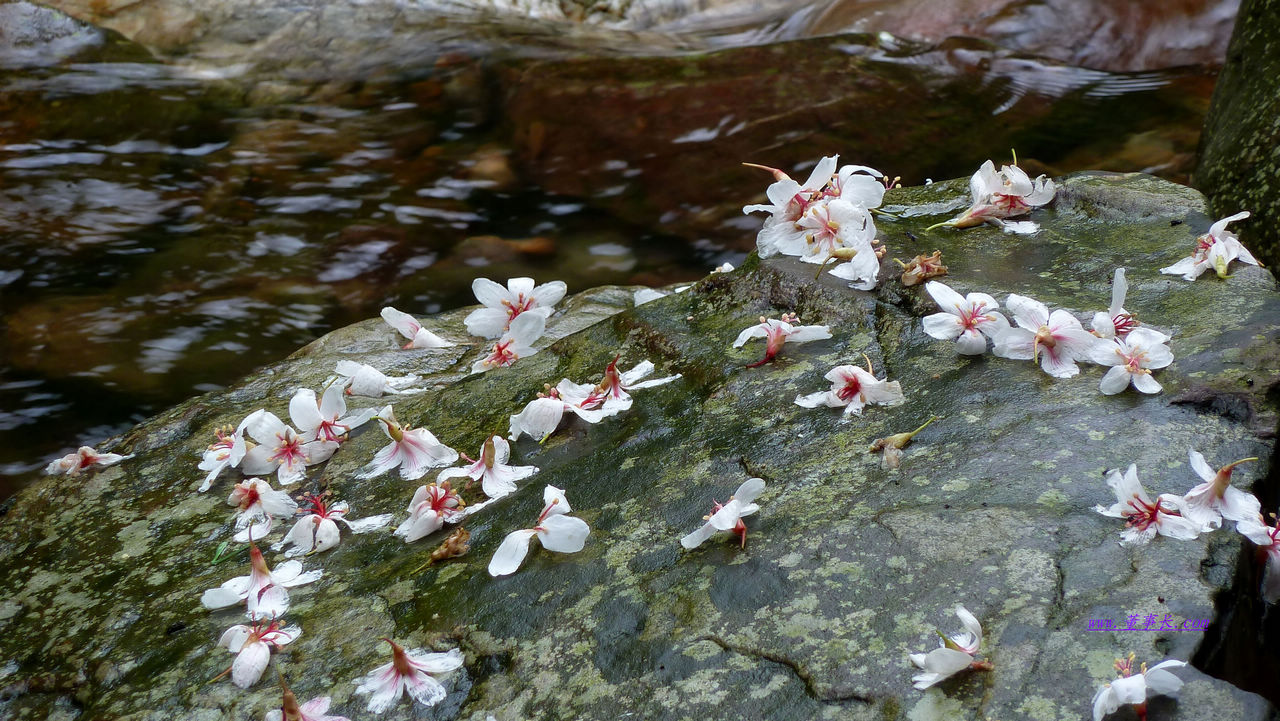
column 563, row 534
column 507, row 559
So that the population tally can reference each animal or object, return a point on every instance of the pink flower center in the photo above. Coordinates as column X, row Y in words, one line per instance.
column 289, row 451
column 852, row 387
column 1124, row 323
column 329, row 431
column 501, row 355
column 1010, row 203
column 1144, row 515
column 520, row 305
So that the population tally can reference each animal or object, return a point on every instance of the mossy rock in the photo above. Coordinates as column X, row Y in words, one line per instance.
column 848, row 567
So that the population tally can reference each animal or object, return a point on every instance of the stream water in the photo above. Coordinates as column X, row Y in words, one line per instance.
column 164, row 232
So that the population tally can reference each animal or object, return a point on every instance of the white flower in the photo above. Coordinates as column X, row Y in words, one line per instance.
column 504, row 305
column 542, row 415
column 555, row 531
column 968, row 320
column 722, row 268
column 1132, row 688
column 1143, row 518
column 1116, row 322
column 1216, row 498
column 432, row 505
column 1132, row 357
column 256, row 501
column 777, row 332
column 1059, row 339
column 729, row 516
column 318, row 530
column 1215, row 249
column 955, row 655
column 614, row 389
column 361, row 379
column 515, row 343
column 1006, row 194
column 290, row 710
column 1268, row 539
column 73, row 463
column 407, row 672
column 788, row 202
column 835, row 225
column 326, row 420
column 853, row 389
column 415, row 451
column 263, row 589
column 281, row 449
column 228, row 450
column 410, row 328
column 783, row 231
column 496, row 477
column 253, row 646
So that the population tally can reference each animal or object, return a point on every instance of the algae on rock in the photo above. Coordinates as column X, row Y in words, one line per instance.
column 847, row 568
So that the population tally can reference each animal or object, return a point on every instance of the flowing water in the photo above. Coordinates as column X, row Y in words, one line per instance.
column 165, row 230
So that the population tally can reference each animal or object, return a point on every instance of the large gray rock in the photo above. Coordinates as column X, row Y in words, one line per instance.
column 1240, row 149
column 848, row 567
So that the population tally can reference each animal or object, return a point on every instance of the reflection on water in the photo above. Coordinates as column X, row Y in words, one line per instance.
column 162, row 234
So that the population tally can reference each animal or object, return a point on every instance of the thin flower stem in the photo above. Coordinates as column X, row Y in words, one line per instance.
column 943, row 224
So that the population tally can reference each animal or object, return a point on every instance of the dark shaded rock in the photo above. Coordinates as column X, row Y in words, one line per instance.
column 1239, row 165
column 847, row 569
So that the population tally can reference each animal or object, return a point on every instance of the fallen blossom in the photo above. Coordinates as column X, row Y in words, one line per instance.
column 362, row 379
column 327, row 419
column 503, row 305
column 496, row 477
column 256, row 501
column 263, row 590
column 555, row 531
column 1132, row 358
column 853, row 388
column 542, row 415
column 1143, row 518
column 227, row 451
column 833, row 225
column 778, row 332
column 1058, row 339
column 290, row 710
column 432, row 505
column 408, row 672
column 1116, row 322
column 890, row 447
column 281, row 449
column 1216, row 498
column 614, row 389
column 413, row 450
column 1267, row 538
column 968, row 320
column 1006, row 194
column 318, row 530
column 955, row 655
column 728, row 517
column 1215, row 249
column 73, row 464
column 515, row 343
column 921, row 268
column 253, row 646
column 409, row 327
column 1132, row 688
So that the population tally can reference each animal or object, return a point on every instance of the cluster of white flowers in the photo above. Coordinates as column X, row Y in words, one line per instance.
column 1057, row 340
column 592, row 403
column 827, row 218
column 810, row 221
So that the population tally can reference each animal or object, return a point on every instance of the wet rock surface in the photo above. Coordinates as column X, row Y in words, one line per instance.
column 847, row 567
column 1239, row 167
